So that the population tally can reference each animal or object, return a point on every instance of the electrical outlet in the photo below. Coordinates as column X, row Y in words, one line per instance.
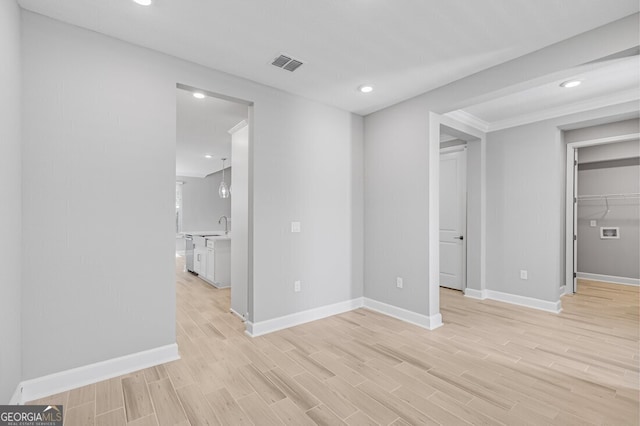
column 524, row 275
column 296, row 286
column 295, row 226
column 399, row 282
column 593, row 223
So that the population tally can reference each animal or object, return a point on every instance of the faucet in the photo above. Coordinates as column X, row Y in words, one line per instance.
column 226, row 224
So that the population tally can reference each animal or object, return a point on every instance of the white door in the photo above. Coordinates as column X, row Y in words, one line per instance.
column 453, row 218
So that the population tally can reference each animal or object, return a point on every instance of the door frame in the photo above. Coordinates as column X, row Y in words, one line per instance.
column 450, row 150
column 248, row 264
column 571, row 257
column 433, row 217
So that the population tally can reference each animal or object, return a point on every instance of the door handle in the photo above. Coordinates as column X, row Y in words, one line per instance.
column 459, row 238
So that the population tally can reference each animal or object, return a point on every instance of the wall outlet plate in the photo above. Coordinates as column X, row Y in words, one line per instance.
column 524, row 275
column 296, row 286
column 295, row 226
column 399, row 282
column 593, row 223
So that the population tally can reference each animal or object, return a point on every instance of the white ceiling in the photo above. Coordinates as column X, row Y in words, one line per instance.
column 401, row 50
column 202, row 128
column 603, row 83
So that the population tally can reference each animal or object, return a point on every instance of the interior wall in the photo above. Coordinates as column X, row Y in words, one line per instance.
column 201, row 204
column 11, row 205
column 303, row 174
column 525, row 168
column 79, row 211
column 611, row 257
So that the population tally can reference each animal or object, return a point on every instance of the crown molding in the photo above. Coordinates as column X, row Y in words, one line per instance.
column 469, row 119
column 241, row 125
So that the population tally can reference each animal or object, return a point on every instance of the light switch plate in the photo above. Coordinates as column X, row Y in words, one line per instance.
column 593, row 223
column 296, row 286
column 295, row 226
column 399, row 282
column 524, row 275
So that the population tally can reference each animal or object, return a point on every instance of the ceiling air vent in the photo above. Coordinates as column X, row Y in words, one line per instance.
column 287, row 63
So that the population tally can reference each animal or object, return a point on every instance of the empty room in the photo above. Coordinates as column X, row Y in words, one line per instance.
column 320, row 212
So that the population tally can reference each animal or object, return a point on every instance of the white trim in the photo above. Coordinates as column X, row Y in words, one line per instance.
column 609, row 279
column 433, row 215
column 16, row 399
column 280, row 323
column 547, row 114
column 475, row 294
column 234, row 312
column 562, row 290
column 76, row 377
column 429, row 322
column 456, row 148
column 529, row 302
column 469, row 119
column 241, row 125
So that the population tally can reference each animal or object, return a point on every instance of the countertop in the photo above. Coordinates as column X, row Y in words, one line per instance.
column 203, row 233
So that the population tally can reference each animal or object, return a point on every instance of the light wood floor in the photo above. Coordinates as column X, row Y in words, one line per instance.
column 491, row 363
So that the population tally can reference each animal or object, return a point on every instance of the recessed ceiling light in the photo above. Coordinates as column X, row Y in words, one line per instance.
column 570, row 83
column 208, row 156
column 198, row 95
column 365, row 88
column 144, row 2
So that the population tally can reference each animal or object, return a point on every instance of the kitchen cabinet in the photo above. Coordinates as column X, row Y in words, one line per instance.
column 199, row 260
column 211, row 265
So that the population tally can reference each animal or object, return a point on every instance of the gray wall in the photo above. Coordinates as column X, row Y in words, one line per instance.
column 100, row 169
column 525, row 222
column 201, row 204
column 10, row 207
column 617, row 128
column 616, row 257
column 607, row 152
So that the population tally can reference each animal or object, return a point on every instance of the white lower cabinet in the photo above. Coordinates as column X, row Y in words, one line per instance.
column 199, row 260
column 211, row 265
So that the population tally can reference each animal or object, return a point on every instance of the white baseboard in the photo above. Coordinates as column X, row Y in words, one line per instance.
column 609, row 278
column 16, row 398
column 233, row 311
column 529, row 302
column 562, row 290
column 280, row 323
column 475, row 294
column 429, row 322
column 76, row 377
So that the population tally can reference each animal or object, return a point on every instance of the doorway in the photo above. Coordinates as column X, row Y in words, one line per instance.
column 212, row 192
column 592, row 213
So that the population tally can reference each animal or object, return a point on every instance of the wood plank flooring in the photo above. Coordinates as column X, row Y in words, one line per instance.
column 491, row 363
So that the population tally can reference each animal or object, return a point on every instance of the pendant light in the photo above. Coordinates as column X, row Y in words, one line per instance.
column 223, row 190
